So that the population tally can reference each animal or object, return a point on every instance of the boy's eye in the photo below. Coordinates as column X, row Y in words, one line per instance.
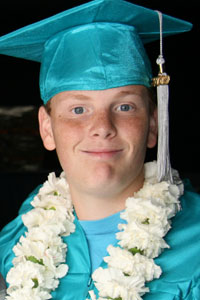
column 78, row 110
column 124, row 107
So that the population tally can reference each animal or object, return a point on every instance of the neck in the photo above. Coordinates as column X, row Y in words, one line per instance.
column 94, row 206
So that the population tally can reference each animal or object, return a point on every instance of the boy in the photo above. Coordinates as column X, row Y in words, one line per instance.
column 110, row 209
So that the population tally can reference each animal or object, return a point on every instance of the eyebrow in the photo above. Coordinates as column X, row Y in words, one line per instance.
column 126, row 93
column 78, row 96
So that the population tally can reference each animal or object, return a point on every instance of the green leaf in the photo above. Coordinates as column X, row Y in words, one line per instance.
column 146, row 221
column 136, row 250
column 34, row 260
column 50, row 208
column 36, row 283
column 55, row 193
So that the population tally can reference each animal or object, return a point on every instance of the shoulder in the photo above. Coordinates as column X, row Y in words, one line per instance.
column 185, row 229
column 186, row 224
column 11, row 234
column 181, row 262
column 190, row 201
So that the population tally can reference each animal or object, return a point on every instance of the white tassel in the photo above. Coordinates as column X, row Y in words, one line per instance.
column 164, row 171
column 163, row 156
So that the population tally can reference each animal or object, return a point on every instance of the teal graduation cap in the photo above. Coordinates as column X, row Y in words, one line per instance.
column 97, row 45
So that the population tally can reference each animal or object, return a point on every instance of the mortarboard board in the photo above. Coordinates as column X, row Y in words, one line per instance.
column 97, row 45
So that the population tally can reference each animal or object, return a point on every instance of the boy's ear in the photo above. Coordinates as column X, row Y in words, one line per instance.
column 153, row 129
column 45, row 128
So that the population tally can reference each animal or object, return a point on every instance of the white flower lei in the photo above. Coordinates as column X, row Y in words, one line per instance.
column 41, row 253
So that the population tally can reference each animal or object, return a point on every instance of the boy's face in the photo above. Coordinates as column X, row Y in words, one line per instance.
column 100, row 136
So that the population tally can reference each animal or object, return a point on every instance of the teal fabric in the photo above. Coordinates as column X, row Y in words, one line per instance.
column 94, row 46
column 100, row 234
column 98, row 56
column 180, row 264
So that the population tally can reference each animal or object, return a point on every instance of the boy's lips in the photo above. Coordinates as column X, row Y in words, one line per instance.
column 103, row 153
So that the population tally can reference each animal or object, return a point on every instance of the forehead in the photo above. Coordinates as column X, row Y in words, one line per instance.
column 114, row 93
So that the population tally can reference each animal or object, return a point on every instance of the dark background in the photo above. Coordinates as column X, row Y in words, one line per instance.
column 19, row 138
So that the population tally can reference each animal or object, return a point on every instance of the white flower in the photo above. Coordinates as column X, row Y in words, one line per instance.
column 132, row 264
column 113, row 283
column 48, row 218
column 53, row 202
column 146, row 212
column 44, row 235
column 23, row 274
column 148, row 241
column 27, row 247
column 69, row 227
column 39, row 216
column 54, row 195
column 61, row 270
column 55, row 184
column 158, row 191
column 51, row 252
column 28, row 294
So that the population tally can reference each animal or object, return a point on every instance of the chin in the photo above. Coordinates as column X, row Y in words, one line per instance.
column 99, row 181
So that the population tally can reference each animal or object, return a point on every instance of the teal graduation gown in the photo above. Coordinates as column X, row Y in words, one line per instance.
column 180, row 264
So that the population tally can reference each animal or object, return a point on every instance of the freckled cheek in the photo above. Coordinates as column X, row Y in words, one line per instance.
column 134, row 128
column 68, row 134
